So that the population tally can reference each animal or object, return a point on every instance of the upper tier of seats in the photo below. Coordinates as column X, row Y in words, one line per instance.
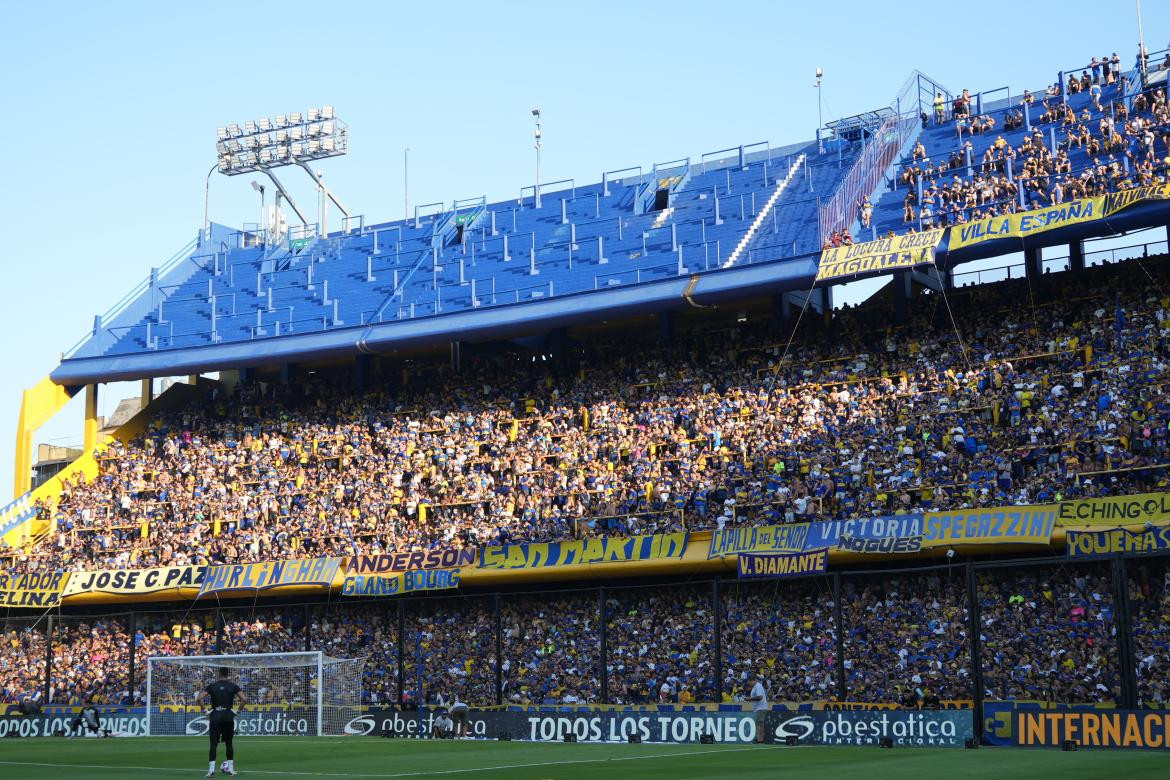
column 592, row 237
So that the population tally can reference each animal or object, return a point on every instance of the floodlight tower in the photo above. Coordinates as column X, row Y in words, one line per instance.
column 294, row 139
column 820, row 112
column 536, row 116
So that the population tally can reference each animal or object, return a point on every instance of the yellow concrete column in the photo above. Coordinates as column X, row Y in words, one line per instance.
column 91, row 417
column 147, row 392
column 193, row 379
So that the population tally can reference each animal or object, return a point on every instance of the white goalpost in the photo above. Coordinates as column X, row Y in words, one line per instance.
column 289, row 694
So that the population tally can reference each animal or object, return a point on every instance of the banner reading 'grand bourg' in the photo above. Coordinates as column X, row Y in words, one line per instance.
column 885, row 254
column 400, row 583
column 584, row 551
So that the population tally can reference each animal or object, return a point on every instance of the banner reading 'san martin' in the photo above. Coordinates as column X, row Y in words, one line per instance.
column 773, row 565
column 270, row 574
column 1086, row 544
column 885, row 254
column 605, row 549
column 32, row 589
column 1001, row 525
column 413, row 581
column 1115, row 510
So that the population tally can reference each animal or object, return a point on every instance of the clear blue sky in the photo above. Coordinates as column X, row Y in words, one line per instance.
column 112, row 109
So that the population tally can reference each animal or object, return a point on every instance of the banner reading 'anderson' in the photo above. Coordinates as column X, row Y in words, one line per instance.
column 885, row 254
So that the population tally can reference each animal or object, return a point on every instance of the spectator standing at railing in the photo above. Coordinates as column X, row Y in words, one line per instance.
column 940, row 105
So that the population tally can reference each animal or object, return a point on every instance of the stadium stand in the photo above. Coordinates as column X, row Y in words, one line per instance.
column 651, row 440
column 1032, row 390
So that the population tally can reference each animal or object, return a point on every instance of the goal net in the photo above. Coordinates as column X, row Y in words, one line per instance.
column 297, row 694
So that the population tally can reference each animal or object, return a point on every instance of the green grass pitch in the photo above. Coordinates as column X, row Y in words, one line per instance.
column 367, row 757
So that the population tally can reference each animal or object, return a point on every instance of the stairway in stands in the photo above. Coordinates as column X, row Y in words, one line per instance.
column 763, row 213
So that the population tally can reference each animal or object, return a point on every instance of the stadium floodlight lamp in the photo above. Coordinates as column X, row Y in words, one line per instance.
column 221, row 133
column 290, row 139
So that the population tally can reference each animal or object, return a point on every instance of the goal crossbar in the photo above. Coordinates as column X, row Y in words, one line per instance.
column 302, row 693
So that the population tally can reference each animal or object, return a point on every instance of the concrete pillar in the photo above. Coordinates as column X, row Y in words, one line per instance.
column 361, row 371
column 903, row 292
column 557, row 343
column 288, row 372
column 1033, row 266
column 147, row 392
column 827, row 305
column 666, row 327
column 1076, row 256
column 193, row 379
column 456, row 348
column 780, row 310
column 91, row 417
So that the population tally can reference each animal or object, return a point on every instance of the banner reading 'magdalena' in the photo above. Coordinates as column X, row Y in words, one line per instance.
column 885, row 254
column 584, row 551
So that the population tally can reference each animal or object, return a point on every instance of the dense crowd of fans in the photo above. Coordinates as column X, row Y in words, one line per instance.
column 1046, row 633
column 1025, row 402
column 1099, row 146
column 999, row 395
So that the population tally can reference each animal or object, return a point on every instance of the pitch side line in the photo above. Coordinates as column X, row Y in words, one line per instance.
column 423, row 773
